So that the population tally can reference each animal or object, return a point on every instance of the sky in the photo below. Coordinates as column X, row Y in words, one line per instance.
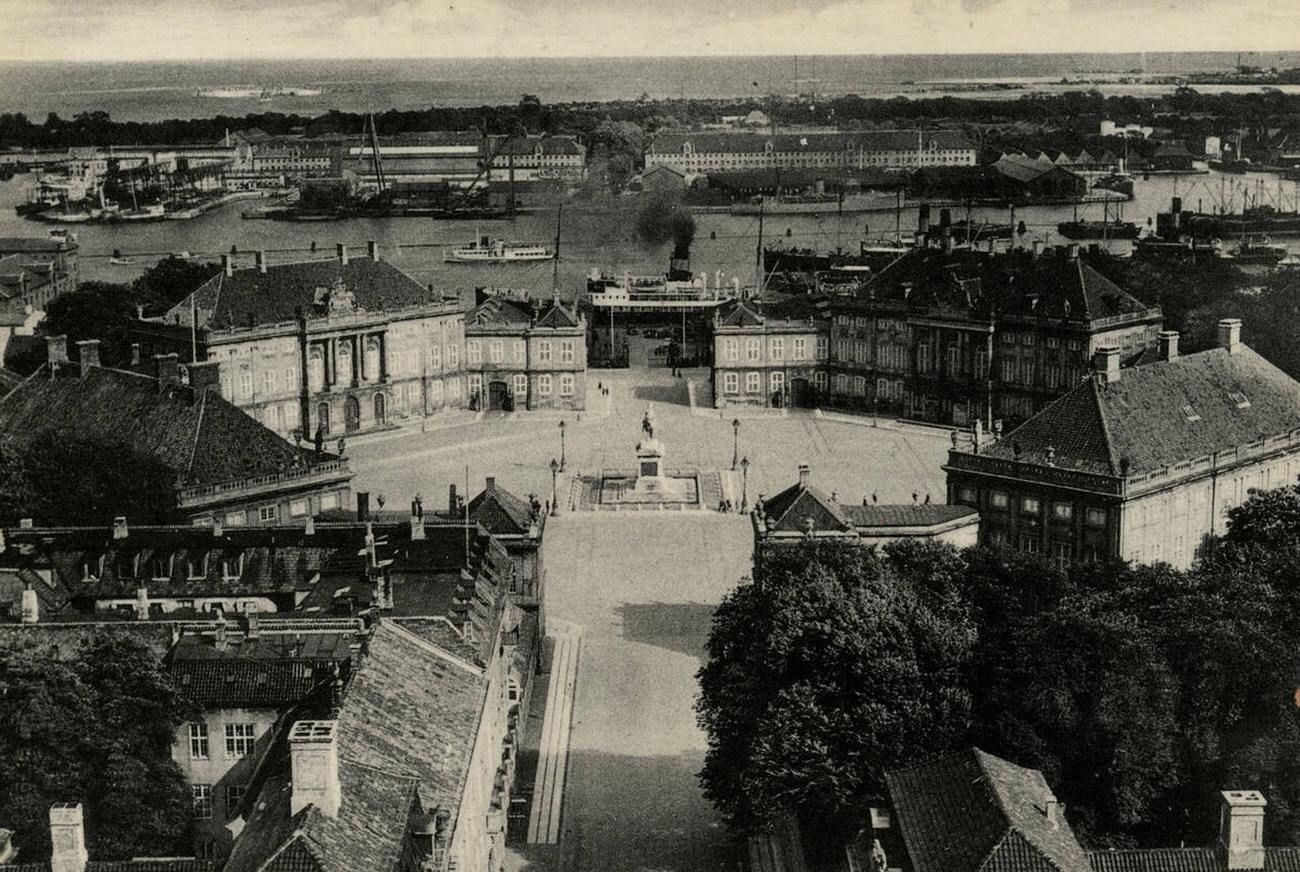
column 244, row 29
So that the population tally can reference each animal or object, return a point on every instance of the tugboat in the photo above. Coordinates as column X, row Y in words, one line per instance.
column 484, row 249
column 1257, row 252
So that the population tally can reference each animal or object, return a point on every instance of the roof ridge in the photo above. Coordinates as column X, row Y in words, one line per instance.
column 198, row 430
column 438, row 650
column 1111, row 459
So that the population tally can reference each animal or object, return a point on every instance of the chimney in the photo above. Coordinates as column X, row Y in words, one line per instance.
column 1038, row 248
column 56, row 351
column 88, row 354
column 228, row 265
column 1168, row 344
column 1105, row 363
column 205, row 376
column 490, row 485
column 219, row 636
column 67, row 838
column 1054, row 809
column 1241, row 830
column 314, row 756
column 142, row 603
column 260, row 260
column 417, row 519
column 923, row 219
column 31, row 613
column 167, row 370
column 1072, row 251
column 805, row 476
column 363, row 506
column 135, row 355
column 343, row 253
column 120, row 529
column 451, row 497
column 1230, row 334
column 372, row 249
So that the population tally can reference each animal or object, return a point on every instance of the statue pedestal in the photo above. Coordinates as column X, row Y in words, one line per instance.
column 650, row 466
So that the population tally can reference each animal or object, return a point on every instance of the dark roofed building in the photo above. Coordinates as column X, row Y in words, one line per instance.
column 228, row 467
column 802, row 512
column 1141, row 464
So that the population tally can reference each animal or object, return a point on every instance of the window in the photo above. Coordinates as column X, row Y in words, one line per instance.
column 196, row 567
column 1061, row 553
column 234, row 796
column 730, row 383
column 435, row 358
column 232, row 566
column 245, row 382
column 822, row 347
column 495, row 350
column 268, row 514
column 843, row 350
column 543, row 385
column 821, row 380
column 453, row 356
column 160, row 567
column 544, row 352
column 966, row 495
column 472, row 354
column 1030, row 544
column 329, row 501
column 799, row 348
column 520, row 352
column 777, row 382
column 1009, row 370
column 521, row 387
column 1029, row 339
column 202, row 795
column 1239, row 399
column 298, row 508
column 730, row 349
column 199, row 741
column 268, row 381
column 1053, row 374
column 1062, row 511
column 859, row 386
column 1009, row 339
column 776, row 348
column 753, row 382
column 1053, row 342
column 566, row 384
column 1030, row 505
column 752, row 349
column 999, row 500
column 566, row 351
column 475, row 383
column 1190, row 414
column 235, row 519
column 239, row 740
column 923, row 363
column 1096, row 517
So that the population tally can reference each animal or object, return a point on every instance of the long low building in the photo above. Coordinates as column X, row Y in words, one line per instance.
column 705, row 152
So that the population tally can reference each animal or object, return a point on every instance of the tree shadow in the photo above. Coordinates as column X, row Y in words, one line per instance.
column 674, row 393
column 679, row 627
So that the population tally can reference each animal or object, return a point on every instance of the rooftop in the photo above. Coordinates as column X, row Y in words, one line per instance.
column 871, row 140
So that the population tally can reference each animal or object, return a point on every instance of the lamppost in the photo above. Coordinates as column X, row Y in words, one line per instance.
column 735, row 442
column 561, row 446
column 875, row 409
column 555, row 493
column 744, row 485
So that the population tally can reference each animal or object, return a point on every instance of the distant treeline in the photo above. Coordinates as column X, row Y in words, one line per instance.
column 1186, row 114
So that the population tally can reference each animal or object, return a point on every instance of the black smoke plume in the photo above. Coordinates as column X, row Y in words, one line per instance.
column 665, row 219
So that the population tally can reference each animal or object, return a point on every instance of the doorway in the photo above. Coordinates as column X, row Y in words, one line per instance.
column 351, row 415
column 497, row 395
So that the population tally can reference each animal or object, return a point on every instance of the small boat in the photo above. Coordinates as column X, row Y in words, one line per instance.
column 184, row 254
column 1257, row 251
column 120, row 261
column 484, row 249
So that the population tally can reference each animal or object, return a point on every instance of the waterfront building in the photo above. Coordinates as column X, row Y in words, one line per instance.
column 455, row 157
column 803, row 512
column 322, row 348
column 522, row 355
column 280, row 161
column 1139, row 464
column 538, row 158
column 946, row 336
column 34, row 271
column 229, row 469
column 695, row 153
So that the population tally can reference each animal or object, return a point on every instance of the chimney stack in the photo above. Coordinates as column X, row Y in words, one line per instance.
column 228, row 265
column 314, row 757
column 1072, row 251
column 372, row 249
column 205, row 376
column 451, row 497
column 1230, row 334
column 135, row 355
column 67, row 838
column 260, row 260
column 923, row 219
column 1038, row 248
column 363, row 506
column 56, row 351
column 1168, row 344
column 1055, row 812
column 120, row 529
column 490, row 484
column 1105, row 364
column 1241, row 830
column 88, row 354
column 805, row 475
column 31, row 613
column 343, row 253
column 166, row 369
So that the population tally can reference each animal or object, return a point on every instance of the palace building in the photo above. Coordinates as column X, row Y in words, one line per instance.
column 1141, row 463
column 323, row 347
column 520, row 354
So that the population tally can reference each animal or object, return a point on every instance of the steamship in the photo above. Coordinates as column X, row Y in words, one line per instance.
column 484, row 249
column 817, row 204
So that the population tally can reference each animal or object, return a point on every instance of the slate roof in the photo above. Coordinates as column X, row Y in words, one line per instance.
column 968, row 811
column 203, row 439
column 794, row 311
column 791, row 510
column 274, row 671
column 500, row 512
column 1143, row 418
column 499, row 311
column 556, row 316
column 1276, row 859
column 273, row 296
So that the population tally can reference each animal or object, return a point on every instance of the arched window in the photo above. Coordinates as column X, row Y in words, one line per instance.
column 316, row 371
column 372, row 360
column 323, row 417
column 380, row 408
column 344, row 357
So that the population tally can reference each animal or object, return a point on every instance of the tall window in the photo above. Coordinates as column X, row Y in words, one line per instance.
column 453, row 356
column 435, row 358
column 234, row 796
column 202, row 795
column 566, row 384
column 752, row 351
column 776, row 348
column 730, row 349
column 239, row 740
column 566, row 351
column 822, row 347
column 316, row 371
column 520, row 352
column 494, row 351
column 544, row 351
column 544, row 385
column 730, row 383
column 472, row 354
column 799, row 348
column 753, row 382
column 521, row 387
column 199, row 741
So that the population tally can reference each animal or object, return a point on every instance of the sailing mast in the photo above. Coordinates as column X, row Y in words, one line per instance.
column 555, row 267
column 374, row 152
column 758, row 261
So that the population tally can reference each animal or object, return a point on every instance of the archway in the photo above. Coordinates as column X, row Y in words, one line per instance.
column 381, row 409
column 497, row 395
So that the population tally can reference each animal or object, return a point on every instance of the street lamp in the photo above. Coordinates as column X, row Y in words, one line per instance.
column 735, row 442
column 555, row 493
column 561, row 446
column 744, row 485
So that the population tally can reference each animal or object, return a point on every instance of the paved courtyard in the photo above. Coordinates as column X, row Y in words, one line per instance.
column 638, row 590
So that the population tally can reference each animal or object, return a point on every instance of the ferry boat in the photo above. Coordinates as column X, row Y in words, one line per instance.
column 484, row 249
column 872, row 256
column 817, row 204
column 679, row 289
column 1120, row 183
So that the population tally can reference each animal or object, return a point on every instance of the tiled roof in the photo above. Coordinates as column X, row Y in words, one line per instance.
column 968, row 810
column 555, row 316
column 1155, row 860
column 51, row 596
column 794, row 508
column 1160, row 414
column 242, row 683
column 204, row 440
column 500, row 512
column 499, row 311
column 274, row 296
column 872, row 140
column 919, row 515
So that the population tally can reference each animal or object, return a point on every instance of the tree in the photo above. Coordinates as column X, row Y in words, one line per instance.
column 93, row 726
column 68, row 479
column 835, row 664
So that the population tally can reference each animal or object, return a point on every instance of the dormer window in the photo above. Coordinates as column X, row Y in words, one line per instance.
column 1240, row 400
column 92, row 569
column 126, row 566
column 196, row 567
column 1189, row 413
column 160, row 567
column 232, row 566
